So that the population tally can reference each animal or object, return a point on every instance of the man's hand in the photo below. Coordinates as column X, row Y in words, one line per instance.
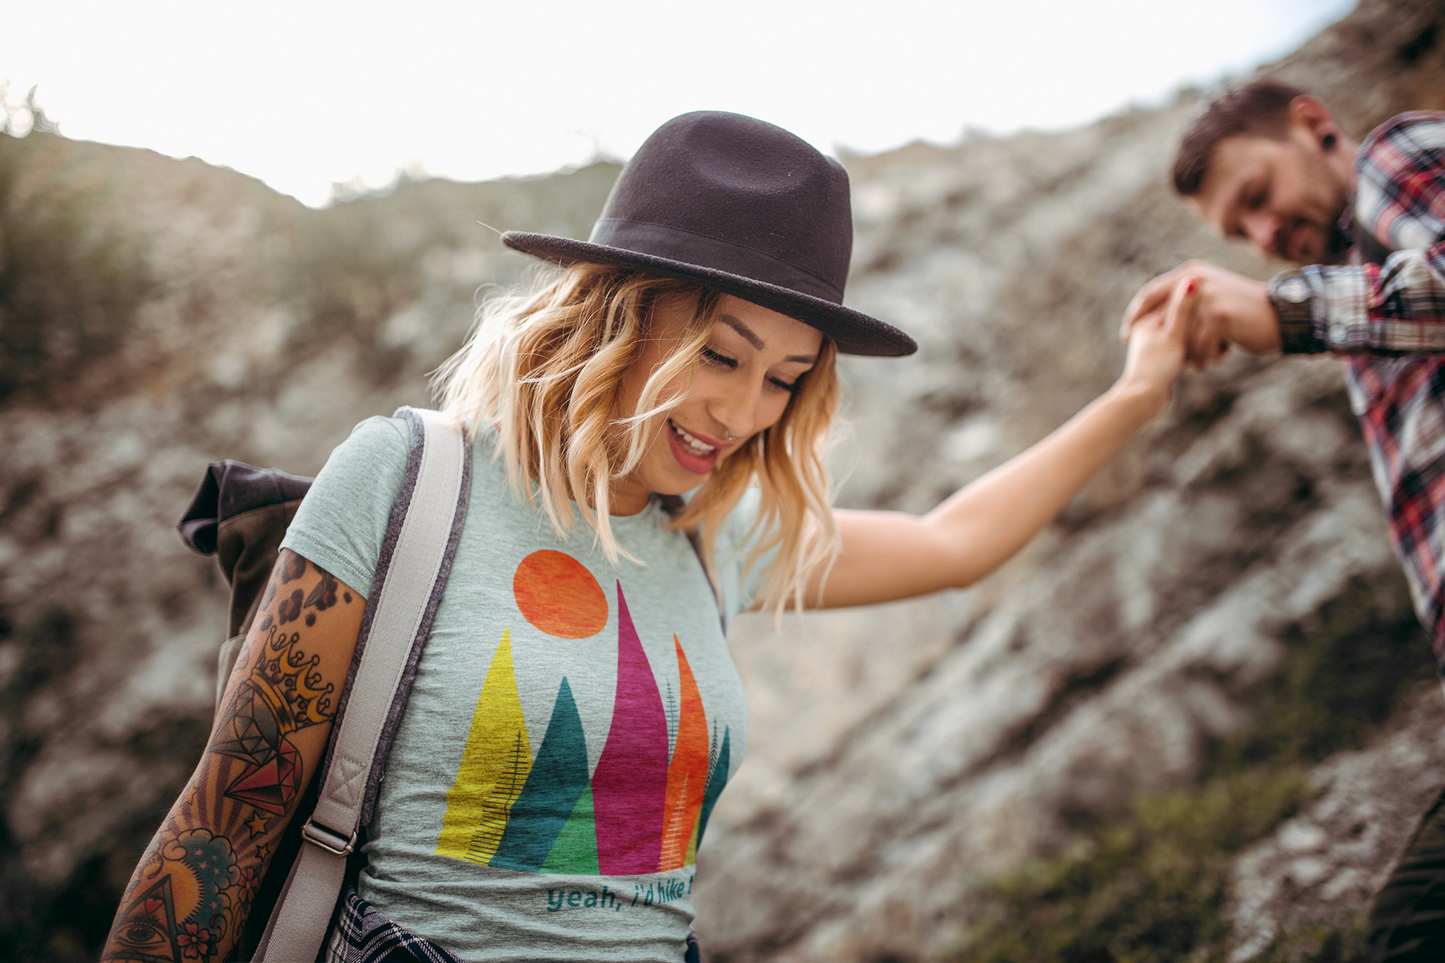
column 1229, row 307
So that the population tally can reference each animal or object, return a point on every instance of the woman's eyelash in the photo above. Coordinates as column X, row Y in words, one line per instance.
column 716, row 358
column 722, row 360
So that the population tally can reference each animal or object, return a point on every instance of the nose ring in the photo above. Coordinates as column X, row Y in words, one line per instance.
column 730, row 436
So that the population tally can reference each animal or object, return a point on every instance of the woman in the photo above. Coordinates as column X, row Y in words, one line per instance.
column 576, row 713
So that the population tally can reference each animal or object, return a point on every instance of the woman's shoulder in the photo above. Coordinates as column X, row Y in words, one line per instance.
column 340, row 524
column 380, row 433
column 374, row 452
column 392, row 436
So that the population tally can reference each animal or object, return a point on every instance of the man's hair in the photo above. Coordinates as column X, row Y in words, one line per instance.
column 1260, row 108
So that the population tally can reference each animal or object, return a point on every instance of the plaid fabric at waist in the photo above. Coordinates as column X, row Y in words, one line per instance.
column 364, row 935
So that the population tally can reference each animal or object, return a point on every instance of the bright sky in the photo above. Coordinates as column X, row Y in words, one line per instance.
column 307, row 94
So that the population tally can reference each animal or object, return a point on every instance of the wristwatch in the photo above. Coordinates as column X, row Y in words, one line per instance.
column 1293, row 301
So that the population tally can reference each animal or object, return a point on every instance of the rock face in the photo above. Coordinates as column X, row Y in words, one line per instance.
column 1336, row 854
column 901, row 754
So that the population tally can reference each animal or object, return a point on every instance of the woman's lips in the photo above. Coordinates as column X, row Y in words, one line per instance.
column 698, row 463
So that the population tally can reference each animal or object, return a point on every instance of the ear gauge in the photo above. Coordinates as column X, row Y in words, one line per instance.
column 1327, row 141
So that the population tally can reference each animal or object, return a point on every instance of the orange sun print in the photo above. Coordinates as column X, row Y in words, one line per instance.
column 559, row 596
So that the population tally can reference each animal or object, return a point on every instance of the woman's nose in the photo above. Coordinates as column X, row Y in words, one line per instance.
column 735, row 410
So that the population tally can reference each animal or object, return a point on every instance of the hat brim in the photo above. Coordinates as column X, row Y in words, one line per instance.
column 852, row 331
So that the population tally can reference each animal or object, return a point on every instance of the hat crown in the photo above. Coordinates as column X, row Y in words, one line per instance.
column 740, row 206
column 744, row 183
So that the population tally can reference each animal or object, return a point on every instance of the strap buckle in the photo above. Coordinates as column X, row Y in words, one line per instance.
column 327, row 839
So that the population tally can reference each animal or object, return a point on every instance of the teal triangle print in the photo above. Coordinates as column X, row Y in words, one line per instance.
column 576, row 848
column 557, row 780
column 715, row 784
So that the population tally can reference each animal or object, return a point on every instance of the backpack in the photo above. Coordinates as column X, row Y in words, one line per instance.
column 240, row 514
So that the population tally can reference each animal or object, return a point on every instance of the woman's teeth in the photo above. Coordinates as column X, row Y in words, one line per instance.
column 693, row 445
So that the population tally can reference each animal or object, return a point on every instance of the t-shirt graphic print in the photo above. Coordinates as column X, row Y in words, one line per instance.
column 645, row 806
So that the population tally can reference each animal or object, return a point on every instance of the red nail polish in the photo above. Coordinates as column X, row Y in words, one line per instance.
column 1189, row 288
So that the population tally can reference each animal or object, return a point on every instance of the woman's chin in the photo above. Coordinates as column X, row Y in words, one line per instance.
column 681, row 482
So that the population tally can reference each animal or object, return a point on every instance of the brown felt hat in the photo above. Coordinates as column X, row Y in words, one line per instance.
column 740, row 206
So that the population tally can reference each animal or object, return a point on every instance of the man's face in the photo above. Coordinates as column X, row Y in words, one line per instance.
column 1283, row 195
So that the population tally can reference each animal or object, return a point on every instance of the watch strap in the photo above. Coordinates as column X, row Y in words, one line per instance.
column 1293, row 300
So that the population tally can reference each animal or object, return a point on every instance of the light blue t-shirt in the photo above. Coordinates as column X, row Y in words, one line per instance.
column 570, row 728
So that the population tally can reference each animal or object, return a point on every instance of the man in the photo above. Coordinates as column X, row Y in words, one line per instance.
column 1269, row 164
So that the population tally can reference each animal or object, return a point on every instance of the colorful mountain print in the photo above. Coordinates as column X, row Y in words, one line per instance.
column 558, row 781
column 645, row 806
column 687, row 775
column 576, row 848
column 494, row 769
column 629, row 786
column 715, row 783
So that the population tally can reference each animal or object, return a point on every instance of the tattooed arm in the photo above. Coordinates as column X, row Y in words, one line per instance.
column 190, row 895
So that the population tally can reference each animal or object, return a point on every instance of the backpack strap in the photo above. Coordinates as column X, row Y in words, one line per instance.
column 411, row 573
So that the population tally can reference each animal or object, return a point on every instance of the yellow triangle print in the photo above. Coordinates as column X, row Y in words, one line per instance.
column 495, row 765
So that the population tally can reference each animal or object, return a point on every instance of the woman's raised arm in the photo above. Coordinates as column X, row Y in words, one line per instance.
column 894, row 555
column 190, row 895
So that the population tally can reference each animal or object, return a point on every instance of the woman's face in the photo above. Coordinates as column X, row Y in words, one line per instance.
column 746, row 376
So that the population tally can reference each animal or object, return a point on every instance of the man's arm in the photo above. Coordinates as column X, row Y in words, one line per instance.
column 1392, row 308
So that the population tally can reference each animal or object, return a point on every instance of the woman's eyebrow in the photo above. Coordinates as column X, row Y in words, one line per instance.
column 751, row 338
column 737, row 325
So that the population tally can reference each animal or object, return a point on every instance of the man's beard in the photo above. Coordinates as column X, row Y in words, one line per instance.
column 1338, row 242
column 1340, row 230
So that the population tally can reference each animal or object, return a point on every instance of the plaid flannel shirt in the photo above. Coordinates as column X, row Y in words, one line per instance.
column 1389, row 317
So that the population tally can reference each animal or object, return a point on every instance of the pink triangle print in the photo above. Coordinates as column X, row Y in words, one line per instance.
column 629, row 785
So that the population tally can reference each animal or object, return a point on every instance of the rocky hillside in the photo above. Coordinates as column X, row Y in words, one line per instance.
column 1210, row 655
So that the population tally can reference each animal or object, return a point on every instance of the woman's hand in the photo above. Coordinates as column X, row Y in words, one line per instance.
column 1228, row 308
column 894, row 555
column 1158, row 345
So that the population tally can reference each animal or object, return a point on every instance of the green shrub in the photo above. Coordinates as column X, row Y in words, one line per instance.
column 69, row 287
column 1147, row 889
column 1152, row 887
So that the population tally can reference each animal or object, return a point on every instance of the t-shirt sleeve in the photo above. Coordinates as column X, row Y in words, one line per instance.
column 735, row 540
column 340, row 524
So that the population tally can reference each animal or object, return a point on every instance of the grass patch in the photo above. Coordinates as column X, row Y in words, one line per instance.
column 1153, row 887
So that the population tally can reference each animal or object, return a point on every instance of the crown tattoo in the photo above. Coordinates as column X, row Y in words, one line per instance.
column 290, row 685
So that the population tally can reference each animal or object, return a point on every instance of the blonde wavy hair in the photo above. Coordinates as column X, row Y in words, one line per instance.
column 546, row 368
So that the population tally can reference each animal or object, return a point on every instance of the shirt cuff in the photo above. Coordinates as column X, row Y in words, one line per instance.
column 1341, row 300
column 1293, row 299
